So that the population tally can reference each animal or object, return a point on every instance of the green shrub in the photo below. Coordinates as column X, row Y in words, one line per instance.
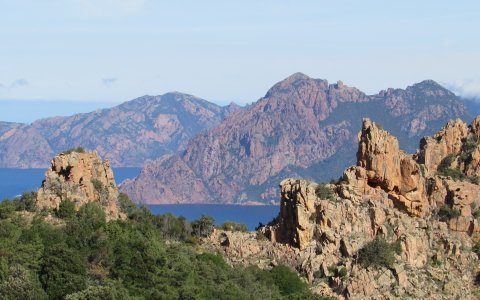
column 434, row 261
column 446, row 162
column 98, row 185
column 66, row 209
column 203, row 227
column 444, row 169
column 379, row 253
column 324, row 192
column 7, row 207
column 77, row 149
column 288, row 281
column 446, row 212
column 27, row 201
column 476, row 248
column 233, row 226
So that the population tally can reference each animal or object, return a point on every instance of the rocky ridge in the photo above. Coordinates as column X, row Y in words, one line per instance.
column 127, row 134
column 80, row 177
column 428, row 209
column 302, row 127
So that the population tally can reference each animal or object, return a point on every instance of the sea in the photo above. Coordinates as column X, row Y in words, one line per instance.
column 13, row 182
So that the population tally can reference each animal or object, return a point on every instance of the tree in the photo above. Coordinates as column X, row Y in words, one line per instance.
column 27, row 201
column 63, row 271
column 21, row 284
column 203, row 227
column 288, row 281
column 66, row 209
column 379, row 253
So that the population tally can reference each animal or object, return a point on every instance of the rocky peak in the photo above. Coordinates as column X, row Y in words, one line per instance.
column 431, row 217
column 384, row 165
column 80, row 177
column 448, row 141
column 430, row 88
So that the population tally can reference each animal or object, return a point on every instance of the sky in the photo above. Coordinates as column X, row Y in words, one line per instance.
column 104, row 52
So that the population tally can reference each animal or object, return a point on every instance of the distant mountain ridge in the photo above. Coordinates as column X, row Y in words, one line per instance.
column 127, row 134
column 303, row 127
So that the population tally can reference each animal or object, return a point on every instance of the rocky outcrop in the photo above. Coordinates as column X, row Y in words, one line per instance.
column 81, row 178
column 302, row 128
column 447, row 141
column 127, row 134
column 388, row 195
column 381, row 165
column 297, row 207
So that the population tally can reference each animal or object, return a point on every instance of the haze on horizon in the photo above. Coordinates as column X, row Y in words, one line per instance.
column 103, row 52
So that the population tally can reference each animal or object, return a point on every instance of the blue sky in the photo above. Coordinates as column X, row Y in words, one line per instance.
column 115, row 50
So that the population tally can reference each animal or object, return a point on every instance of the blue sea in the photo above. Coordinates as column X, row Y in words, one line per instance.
column 14, row 182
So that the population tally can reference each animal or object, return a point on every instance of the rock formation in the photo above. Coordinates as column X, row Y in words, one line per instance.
column 80, row 177
column 301, row 128
column 430, row 211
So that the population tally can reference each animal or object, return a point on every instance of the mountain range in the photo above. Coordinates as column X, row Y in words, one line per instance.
column 303, row 127
column 195, row 151
column 128, row 134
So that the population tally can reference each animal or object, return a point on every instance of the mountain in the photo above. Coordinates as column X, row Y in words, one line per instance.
column 127, row 135
column 303, row 127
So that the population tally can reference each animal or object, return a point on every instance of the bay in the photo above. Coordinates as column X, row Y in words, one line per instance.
column 251, row 215
column 14, row 182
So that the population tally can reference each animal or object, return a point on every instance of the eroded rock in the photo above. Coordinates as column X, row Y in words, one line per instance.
column 81, row 178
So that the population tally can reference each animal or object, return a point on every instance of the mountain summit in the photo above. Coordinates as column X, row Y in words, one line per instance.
column 303, row 127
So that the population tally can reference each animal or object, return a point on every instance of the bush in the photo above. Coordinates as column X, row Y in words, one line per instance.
column 446, row 212
column 7, row 207
column 71, row 150
column 233, row 226
column 66, row 209
column 379, row 253
column 203, row 227
column 476, row 248
column 289, row 282
column 27, row 201
column 446, row 163
column 324, row 192
column 444, row 168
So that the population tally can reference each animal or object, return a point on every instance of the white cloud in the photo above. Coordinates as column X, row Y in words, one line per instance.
column 466, row 88
column 101, row 8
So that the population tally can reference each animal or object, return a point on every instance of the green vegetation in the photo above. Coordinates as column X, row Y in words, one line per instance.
column 446, row 212
column 476, row 248
column 97, row 185
column 78, row 149
column 66, row 210
column 379, row 253
column 233, row 226
column 143, row 257
column 444, row 168
column 203, row 227
column 469, row 146
column 324, row 192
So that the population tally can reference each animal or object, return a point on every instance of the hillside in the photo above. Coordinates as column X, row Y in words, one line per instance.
column 303, row 127
column 127, row 135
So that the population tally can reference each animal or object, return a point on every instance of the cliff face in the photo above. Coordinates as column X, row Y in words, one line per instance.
column 127, row 135
column 80, row 178
column 303, row 127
